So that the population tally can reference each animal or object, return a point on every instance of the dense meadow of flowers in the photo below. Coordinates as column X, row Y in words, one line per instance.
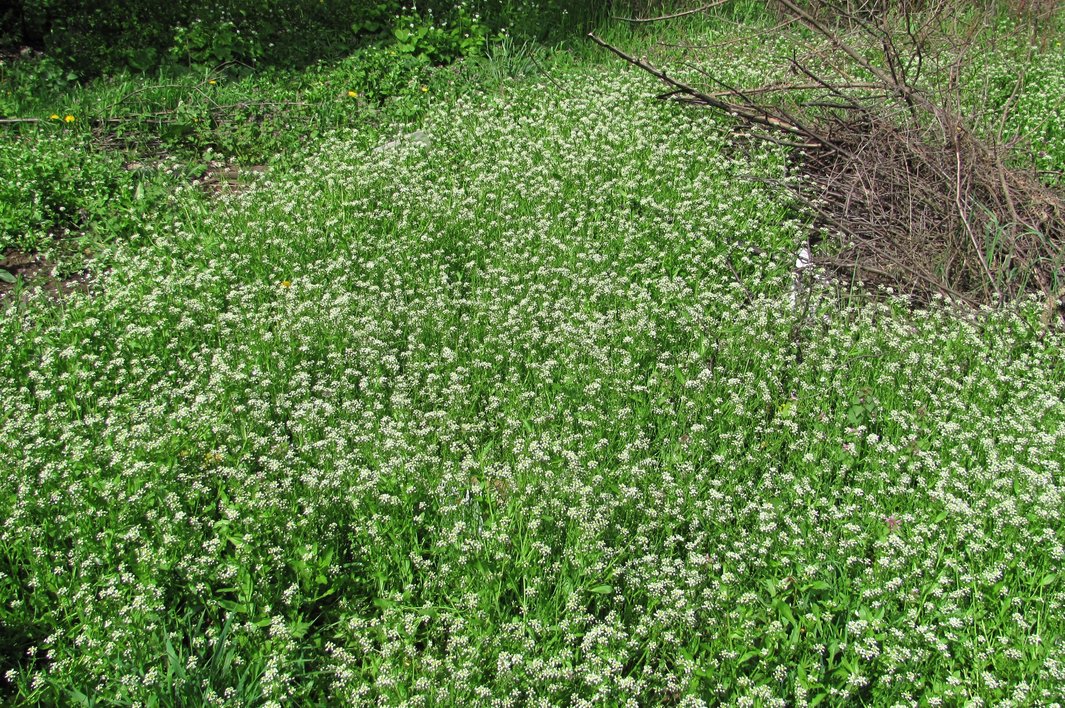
column 1035, row 113
column 523, row 411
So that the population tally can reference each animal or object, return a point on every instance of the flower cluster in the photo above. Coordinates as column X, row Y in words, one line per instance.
column 523, row 413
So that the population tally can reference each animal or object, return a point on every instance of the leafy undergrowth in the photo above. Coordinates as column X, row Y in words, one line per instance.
column 522, row 409
column 82, row 166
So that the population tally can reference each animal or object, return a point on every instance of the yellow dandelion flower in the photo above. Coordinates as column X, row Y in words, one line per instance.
column 286, row 283
column 352, row 94
column 54, row 116
column 425, row 89
column 68, row 118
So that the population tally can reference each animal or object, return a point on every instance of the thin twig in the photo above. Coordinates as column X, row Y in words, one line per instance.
column 906, row 92
column 696, row 95
column 639, row 20
column 550, row 78
column 142, row 89
column 747, row 291
column 775, row 29
column 783, row 88
column 968, row 224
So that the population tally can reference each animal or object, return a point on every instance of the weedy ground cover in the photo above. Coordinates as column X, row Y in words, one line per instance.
column 522, row 411
column 82, row 166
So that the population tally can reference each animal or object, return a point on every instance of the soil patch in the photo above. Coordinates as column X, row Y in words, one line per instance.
column 221, row 177
column 34, row 271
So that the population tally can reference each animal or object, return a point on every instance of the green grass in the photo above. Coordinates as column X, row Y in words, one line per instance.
column 122, row 140
column 518, row 410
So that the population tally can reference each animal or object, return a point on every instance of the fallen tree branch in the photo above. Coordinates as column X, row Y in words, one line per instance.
column 696, row 96
column 640, row 20
column 784, row 88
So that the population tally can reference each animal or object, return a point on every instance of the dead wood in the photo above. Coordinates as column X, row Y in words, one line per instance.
column 913, row 194
column 675, row 15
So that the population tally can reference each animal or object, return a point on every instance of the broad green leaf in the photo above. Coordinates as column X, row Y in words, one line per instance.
column 747, row 657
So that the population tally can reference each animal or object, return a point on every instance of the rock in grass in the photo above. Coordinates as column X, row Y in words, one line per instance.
column 419, row 138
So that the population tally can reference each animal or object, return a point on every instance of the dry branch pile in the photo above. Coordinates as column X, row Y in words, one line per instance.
column 912, row 194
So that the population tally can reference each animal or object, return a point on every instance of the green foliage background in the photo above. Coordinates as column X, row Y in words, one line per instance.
column 97, row 36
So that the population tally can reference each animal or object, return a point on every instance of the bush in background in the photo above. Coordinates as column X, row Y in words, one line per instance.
column 102, row 35
column 99, row 36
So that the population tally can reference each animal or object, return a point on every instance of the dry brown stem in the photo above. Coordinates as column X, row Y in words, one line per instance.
column 675, row 15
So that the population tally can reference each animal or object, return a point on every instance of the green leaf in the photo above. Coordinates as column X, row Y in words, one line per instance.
column 1048, row 579
column 6, row 276
column 78, row 697
column 601, row 589
column 232, row 606
column 785, row 611
column 747, row 657
column 326, row 593
column 299, row 629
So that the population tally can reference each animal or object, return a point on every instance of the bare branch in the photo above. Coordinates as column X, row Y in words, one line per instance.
column 640, row 20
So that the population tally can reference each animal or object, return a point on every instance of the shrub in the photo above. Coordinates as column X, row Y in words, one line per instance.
column 443, row 41
column 541, row 19
column 99, row 36
column 55, row 183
